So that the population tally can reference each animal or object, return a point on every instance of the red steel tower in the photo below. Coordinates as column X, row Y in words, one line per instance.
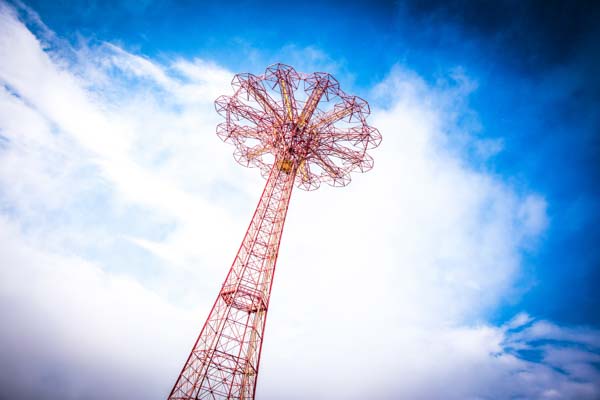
column 299, row 129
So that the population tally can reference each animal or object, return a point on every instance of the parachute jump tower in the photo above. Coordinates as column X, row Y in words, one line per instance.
column 298, row 129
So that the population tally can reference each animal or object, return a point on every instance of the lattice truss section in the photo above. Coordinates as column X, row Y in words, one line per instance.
column 225, row 358
column 301, row 130
column 305, row 120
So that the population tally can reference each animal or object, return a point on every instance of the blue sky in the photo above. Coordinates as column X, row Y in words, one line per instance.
column 483, row 240
column 533, row 64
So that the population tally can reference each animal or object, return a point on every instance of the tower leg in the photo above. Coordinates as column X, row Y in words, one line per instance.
column 224, row 361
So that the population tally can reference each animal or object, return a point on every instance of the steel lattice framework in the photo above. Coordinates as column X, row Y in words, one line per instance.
column 299, row 129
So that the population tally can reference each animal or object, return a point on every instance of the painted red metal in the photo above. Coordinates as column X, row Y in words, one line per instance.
column 300, row 130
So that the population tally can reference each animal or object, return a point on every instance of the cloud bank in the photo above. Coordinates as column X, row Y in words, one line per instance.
column 121, row 211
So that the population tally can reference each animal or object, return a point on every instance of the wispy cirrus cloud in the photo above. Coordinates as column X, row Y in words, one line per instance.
column 121, row 211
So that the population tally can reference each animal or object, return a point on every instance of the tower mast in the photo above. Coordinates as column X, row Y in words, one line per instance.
column 225, row 358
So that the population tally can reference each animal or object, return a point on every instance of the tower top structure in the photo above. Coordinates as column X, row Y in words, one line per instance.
column 304, row 122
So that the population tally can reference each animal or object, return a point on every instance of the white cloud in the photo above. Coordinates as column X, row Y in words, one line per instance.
column 111, row 174
column 64, row 324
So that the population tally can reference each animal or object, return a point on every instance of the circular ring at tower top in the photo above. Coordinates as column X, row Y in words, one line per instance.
column 303, row 123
